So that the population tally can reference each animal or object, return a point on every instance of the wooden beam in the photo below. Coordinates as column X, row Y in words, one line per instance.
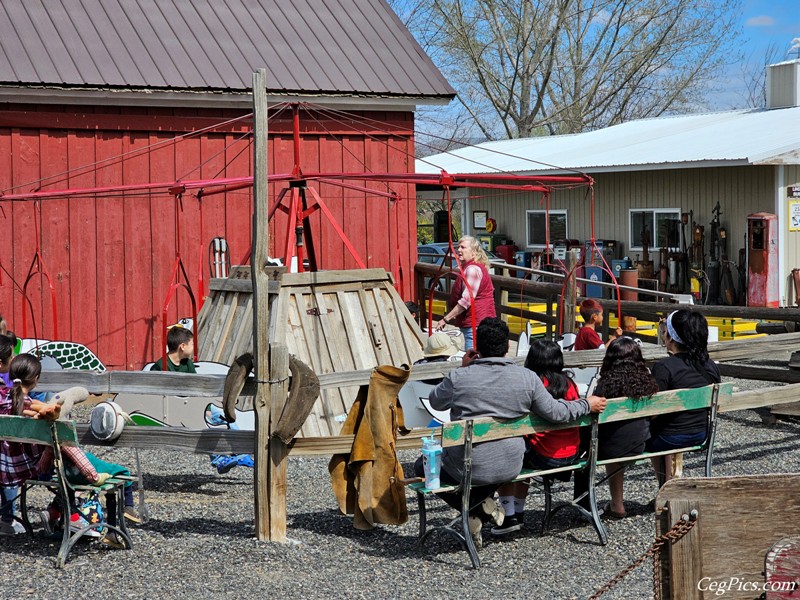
column 278, row 451
column 685, row 556
column 229, row 441
column 224, row 441
column 260, row 282
column 209, row 386
column 239, row 285
column 650, row 310
column 784, row 394
column 776, row 375
column 570, row 293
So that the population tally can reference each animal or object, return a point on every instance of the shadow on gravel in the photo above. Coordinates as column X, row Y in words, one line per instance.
column 198, row 526
column 43, row 546
column 192, row 483
column 401, row 542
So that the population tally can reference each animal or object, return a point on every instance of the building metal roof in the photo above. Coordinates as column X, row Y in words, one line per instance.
column 324, row 47
column 742, row 137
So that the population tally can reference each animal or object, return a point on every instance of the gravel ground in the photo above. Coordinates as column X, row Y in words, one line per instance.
column 200, row 540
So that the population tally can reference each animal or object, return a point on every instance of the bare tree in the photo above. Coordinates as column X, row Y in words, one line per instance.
column 524, row 67
column 754, row 76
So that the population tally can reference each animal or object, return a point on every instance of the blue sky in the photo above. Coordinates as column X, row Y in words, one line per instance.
column 763, row 22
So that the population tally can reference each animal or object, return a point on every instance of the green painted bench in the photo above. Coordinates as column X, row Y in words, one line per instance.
column 474, row 431
column 57, row 434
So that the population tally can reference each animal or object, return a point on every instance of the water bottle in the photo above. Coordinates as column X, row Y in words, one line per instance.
column 432, row 462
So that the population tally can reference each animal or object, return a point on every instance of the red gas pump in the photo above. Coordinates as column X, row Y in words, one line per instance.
column 763, row 288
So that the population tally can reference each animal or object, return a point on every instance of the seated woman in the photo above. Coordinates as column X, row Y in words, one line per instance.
column 622, row 374
column 548, row 450
column 688, row 366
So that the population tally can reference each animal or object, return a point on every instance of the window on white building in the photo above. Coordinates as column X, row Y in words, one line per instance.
column 663, row 225
column 537, row 232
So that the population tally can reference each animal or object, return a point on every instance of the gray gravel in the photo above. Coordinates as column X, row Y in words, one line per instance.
column 200, row 542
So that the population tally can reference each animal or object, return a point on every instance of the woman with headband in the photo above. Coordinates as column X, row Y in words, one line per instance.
column 688, row 366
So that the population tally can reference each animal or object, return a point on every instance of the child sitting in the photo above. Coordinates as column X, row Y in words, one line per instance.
column 588, row 338
column 180, row 349
column 20, row 462
column 549, row 450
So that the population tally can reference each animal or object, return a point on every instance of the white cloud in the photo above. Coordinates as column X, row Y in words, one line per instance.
column 760, row 21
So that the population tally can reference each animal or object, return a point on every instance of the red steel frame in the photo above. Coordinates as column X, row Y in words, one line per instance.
column 293, row 201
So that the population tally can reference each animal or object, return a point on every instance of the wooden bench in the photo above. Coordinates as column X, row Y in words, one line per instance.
column 57, row 434
column 474, row 431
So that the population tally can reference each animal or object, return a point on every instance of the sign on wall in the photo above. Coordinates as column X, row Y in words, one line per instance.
column 794, row 215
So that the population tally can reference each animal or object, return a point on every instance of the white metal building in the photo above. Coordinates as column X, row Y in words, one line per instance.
column 655, row 169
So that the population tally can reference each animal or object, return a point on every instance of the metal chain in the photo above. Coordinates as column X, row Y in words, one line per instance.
column 676, row 532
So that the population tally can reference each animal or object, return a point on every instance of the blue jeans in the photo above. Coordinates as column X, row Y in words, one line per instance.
column 672, row 441
column 8, row 497
column 468, row 341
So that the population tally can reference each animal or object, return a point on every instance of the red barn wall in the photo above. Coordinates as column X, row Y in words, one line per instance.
column 111, row 255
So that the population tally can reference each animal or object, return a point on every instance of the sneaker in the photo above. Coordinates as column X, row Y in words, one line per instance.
column 224, row 463
column 112, row 541
column 132, row 515
column 489, row 511
column 77, row 522
column 511, row 524
column 11, row 528
column 50, row 518
column 475, row 526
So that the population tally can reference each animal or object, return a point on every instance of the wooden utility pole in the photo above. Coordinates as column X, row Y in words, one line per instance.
column 570, row 293
column 270, row 486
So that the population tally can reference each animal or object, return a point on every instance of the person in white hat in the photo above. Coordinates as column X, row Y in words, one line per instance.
column 439, row 348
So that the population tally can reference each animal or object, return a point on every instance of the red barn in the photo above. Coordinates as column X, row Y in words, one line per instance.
column 97, row 95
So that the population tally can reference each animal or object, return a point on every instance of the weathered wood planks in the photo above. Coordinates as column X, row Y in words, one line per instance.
column 740, row 519
column 334, row 321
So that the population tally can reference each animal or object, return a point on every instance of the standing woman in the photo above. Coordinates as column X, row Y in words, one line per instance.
column 688, row 366
column 463, row 304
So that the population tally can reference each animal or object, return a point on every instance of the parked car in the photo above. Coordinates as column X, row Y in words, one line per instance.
column 434, row 254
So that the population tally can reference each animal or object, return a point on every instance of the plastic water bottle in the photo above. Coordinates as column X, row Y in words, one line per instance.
column 432, row 462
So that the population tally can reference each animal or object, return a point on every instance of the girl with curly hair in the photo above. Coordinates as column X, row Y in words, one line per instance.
column 623, row 374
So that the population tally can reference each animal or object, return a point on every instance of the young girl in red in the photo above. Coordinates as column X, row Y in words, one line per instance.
column 548, row 450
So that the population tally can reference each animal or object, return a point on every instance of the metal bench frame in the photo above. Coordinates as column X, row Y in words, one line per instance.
column 55, row 434
column 459, row 527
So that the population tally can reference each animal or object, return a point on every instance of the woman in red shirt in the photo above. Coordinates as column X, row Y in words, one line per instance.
column 548, row 450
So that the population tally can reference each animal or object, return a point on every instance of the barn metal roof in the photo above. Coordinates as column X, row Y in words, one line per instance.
column 328, row 47
column 732, row 138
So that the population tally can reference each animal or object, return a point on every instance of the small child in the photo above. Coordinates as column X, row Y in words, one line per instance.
column 180, row 349
column 588, row 338
column 29, row 461
column 549, row 450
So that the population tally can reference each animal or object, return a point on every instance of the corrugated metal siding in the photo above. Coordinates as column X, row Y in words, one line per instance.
column 332, row 46
column 739, row 137
column 791, row 177
column 111, row 257
column 740, row 191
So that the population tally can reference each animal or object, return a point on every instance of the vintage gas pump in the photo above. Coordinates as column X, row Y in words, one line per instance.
column 696, row 252
column 714, row 268
column 763, row 287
